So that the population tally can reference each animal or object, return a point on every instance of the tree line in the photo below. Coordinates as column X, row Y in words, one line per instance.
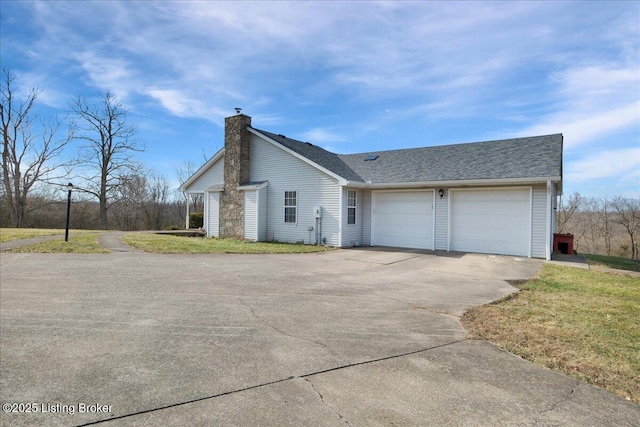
column 108, row 179
column 602, row 225
column 114, row 190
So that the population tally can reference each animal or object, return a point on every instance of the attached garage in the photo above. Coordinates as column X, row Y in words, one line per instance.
column 403, row 219
column 496, row 221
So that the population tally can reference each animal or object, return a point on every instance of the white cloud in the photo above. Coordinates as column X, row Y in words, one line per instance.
column 582, row 127
column 609, row 164
column 181, row 105
column 322, row 135
column 105, row 72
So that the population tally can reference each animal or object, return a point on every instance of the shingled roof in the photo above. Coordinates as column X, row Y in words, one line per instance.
column 517, row 158
column 532, row 157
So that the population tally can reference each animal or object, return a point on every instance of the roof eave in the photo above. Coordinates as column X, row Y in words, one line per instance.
column 455, row 183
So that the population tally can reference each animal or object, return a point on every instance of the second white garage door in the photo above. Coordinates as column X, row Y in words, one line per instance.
column 491, row 221
column 403, row 219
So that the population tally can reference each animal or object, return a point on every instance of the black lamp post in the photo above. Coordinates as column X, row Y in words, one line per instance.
column 66, row 231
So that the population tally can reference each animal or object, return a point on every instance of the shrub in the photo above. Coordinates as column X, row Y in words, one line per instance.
column 196, row 219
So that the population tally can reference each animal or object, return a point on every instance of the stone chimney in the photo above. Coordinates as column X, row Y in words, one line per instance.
column 236, row 172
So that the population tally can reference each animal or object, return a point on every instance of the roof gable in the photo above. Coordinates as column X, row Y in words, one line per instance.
column 202, row 170
column 326, row 161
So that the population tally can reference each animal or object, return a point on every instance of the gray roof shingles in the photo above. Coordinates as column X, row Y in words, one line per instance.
column 530, row 157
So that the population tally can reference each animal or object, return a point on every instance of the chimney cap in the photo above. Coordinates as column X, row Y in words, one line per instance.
column 238, row 110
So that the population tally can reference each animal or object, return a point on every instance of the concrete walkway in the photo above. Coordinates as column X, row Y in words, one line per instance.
column 112, row 241
column 15, row 244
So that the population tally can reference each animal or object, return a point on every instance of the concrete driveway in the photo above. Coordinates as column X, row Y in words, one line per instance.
column 350, row 337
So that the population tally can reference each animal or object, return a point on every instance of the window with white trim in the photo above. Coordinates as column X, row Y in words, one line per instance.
column 351, row 206
column 290, row 206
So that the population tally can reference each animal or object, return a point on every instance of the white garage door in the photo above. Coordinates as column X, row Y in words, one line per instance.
column 403, row 219
column 491, row 221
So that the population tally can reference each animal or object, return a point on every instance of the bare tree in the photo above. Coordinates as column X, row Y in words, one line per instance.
column 156, row 201
column 589, row 220
column 30, row 149
column 605, row 223
column 627, row 214
column 109, row 148
column 195, row 201
column 127, row 205
column 183, row 173
column 566, row 211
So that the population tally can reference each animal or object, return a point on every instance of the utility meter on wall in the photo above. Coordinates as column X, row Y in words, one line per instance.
column 317, row 212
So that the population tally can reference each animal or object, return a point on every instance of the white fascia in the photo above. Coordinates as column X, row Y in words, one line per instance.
column 459, row 183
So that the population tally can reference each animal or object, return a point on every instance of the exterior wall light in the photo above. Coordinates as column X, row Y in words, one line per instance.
column 441, row 193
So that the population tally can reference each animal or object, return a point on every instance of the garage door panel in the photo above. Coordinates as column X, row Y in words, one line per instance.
column 403, row 219
column 491, row 221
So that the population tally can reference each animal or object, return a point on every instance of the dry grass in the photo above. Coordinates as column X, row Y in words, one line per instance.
column 9, row 234
column 79, row 243
column 167, row 244
column 579, row 322
column 617, row 262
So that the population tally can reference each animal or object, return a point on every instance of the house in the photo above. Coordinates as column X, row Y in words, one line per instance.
column 496, row 197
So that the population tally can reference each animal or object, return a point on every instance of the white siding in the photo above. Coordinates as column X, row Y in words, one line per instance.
column 539, row 222
column 251, row 215
column 351, row 233
column 285, row 172
column 213, row 213
column 213, row 175
column 366, row 217
column 262, row 213
column 442, row 221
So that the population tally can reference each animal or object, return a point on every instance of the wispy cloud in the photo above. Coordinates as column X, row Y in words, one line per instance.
column 582, row 127
column 606, row 164
column 350, row 74
column 322, row 135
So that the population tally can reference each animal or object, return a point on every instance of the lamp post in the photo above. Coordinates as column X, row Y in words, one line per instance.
column 66, row 231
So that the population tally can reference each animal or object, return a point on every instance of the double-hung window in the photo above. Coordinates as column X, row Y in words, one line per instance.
column 290, row 206
column 351, row 206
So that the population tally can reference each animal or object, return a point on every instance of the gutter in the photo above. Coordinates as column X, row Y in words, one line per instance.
column 458, row 183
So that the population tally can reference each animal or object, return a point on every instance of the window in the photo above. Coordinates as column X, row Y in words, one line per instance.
column 290, row 206
column 351, row 206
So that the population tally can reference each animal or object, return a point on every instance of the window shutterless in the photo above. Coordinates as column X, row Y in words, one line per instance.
column 290, row 206
column 351, row 206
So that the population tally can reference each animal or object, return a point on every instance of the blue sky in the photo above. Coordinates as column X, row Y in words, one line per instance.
column 348, row 76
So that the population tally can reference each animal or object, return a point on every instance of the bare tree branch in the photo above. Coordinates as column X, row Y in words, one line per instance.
column 109, row 149
column 27, row 157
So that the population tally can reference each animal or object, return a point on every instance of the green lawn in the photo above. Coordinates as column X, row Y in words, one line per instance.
column 9, row 234
column 167, row 244
column 85, row 242
column 583, row 323
column 613, row 262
